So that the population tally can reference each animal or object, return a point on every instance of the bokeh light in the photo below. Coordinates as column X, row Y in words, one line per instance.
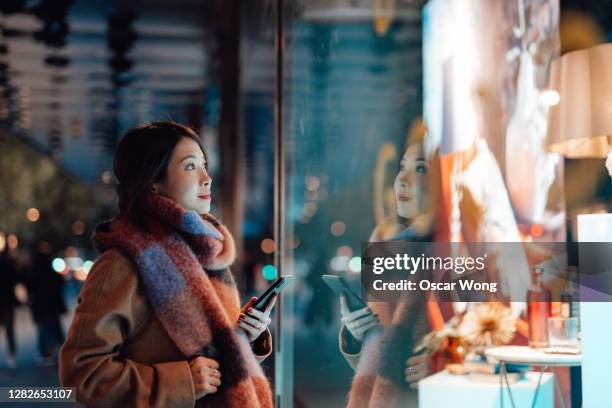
column 339, row 263
column 58, row 265
column 312, row 183
column 269, row 272
column 338, row 228
column 78, row 228
column 344, row 250
column 355, row 264
column 12, row 241
column 267, row 246
column 87, row 266
column 32, row 214
column 106, row 177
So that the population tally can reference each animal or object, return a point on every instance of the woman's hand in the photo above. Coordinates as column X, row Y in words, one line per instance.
column 359, row 322
column 253, row 322
column 417, row 368
column 206, row 376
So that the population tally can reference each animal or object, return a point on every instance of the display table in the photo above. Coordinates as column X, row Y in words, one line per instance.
column 446, row 390
column 527, row 355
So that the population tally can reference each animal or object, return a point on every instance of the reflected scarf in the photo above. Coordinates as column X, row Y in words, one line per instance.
column 183, row 259
column 379, row 378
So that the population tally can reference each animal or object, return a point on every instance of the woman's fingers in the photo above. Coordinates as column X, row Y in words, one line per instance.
column 210, row 389
column 418, row 360
column 360, row 321
column 260, row 316
column 417, row 368
column 211, row 363
column 361, row 331
column 256, row 314
column 416, row 375
column 360, row 312
column 251, row 320
column 365, row 321
column 346, row 313
column 251, row 332
column 206, row 375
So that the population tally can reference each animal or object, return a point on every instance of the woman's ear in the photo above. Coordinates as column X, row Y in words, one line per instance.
column 154, row 188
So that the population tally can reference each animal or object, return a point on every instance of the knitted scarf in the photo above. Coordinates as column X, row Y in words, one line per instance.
column 183, row 260
column 379, row 379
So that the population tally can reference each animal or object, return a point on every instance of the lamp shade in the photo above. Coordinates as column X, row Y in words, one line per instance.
column 580, row 125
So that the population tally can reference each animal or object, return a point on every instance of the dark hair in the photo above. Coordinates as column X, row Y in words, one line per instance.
column 141, row 159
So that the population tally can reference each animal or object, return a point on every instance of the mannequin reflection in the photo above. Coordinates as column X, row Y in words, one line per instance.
column 378, row 341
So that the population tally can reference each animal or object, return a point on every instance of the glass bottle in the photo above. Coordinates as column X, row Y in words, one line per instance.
column 570, row 297
column 538, row 310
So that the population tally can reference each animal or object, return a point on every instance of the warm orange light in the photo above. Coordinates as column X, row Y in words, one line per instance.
column 32, row 214
column 80, row 274
column 45, row 247
column 106, row 177
column 338, row 228
column 536, row 230
column 267, row 246
column 345, row 250
column 12, row 241
column 2, row 241
column 71, row 252
column 78, row 228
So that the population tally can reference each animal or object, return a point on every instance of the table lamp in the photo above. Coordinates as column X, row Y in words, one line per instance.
column 580, row 124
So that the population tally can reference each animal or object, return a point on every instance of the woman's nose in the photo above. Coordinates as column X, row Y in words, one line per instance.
column 405, row 179
column 205, row 178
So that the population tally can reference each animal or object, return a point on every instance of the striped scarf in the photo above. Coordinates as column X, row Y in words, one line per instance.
column 183, row 260
column 379, row 380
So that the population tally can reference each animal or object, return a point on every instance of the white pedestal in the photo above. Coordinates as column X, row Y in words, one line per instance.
column 595, row 324
column 458, row 391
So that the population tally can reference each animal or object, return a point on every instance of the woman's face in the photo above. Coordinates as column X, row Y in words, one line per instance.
column 411, row 183
column 187, row 182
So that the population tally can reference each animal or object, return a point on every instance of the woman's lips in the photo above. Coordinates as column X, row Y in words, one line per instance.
column 403, row 198
column 204, row 196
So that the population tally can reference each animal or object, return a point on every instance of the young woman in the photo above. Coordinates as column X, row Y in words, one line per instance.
column 377, row 341
column 158, row 321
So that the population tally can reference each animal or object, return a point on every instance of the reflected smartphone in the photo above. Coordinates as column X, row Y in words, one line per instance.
column 336, row 284
column 262, row 302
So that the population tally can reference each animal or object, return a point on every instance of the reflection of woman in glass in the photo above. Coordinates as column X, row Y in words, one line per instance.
column 158, row 321
column 378, row 341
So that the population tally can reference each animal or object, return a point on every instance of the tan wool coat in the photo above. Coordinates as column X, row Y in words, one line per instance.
column 117, row 354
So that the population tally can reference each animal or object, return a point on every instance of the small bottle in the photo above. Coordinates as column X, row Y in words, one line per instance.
column 570, row 297
column 538, row 310
column 568, row 294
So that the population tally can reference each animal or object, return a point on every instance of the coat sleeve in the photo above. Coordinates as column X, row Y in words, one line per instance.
column 262, row 346
column 112, row 306
column 349, row 347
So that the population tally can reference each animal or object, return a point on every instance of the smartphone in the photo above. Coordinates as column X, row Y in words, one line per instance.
column 262, row 302
column 336, row 284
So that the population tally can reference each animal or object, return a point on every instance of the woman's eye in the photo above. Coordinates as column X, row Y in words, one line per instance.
column 190, row 166
column 421, row 168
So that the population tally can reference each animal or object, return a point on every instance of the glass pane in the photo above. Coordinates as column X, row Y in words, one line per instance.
column 352, row 90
